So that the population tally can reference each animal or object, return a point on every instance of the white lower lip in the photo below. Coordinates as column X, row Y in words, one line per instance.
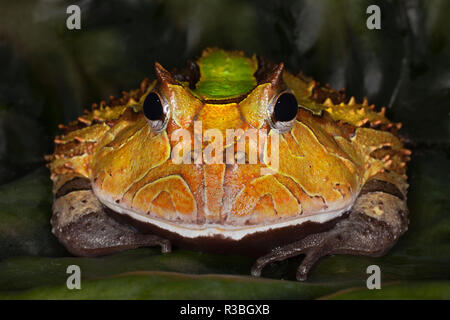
column 226, row 231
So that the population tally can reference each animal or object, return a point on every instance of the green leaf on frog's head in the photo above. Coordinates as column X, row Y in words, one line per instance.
column 225, row 74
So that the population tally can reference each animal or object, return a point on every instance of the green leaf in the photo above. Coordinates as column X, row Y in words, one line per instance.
column 405, row 290
column 168, row 285
column 25, row 211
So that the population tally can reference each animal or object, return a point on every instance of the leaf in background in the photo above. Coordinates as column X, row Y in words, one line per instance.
column 25, row 210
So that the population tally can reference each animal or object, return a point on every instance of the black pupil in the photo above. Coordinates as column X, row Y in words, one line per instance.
column 286, row 107
column 153, row 109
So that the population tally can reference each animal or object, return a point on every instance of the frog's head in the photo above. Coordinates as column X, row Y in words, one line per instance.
column 223, row 91
column 137, row 168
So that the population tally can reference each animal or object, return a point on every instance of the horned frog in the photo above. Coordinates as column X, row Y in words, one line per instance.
column 339, row 186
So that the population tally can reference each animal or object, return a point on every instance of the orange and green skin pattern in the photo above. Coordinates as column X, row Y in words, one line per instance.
column 334, row 147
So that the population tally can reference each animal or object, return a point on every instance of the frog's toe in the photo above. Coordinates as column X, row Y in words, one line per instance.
column 374, row 224
column 307, row 245
column 84, row 226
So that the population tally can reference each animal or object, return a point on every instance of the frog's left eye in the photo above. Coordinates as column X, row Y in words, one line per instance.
column 156, row 111
column 283, row 112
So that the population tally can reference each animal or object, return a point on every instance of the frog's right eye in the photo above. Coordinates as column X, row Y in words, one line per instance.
column 156, row 111
column 283, row 111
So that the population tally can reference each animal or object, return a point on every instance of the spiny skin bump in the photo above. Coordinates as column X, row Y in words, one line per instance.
column 334, row 147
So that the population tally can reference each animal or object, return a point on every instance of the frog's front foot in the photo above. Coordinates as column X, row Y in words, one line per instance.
column 84, row 227
column 374, row 224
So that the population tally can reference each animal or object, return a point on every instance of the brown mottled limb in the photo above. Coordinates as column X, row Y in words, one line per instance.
column 84, row 227
column 374, row 224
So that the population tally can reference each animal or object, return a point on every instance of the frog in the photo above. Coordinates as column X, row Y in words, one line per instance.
column 337, row 186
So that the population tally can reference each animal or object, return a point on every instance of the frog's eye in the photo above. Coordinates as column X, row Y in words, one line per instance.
column 156, row 111
column 283, row 111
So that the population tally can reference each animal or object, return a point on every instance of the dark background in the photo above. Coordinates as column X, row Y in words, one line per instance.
column 49, row 74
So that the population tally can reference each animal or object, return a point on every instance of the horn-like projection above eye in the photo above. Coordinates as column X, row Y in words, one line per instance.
column 156, row 111
column 283, row 111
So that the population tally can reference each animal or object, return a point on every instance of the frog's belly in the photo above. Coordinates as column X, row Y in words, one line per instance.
column 247, row 239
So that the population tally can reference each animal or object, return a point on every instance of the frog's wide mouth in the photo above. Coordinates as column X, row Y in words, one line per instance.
column 231, row 232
